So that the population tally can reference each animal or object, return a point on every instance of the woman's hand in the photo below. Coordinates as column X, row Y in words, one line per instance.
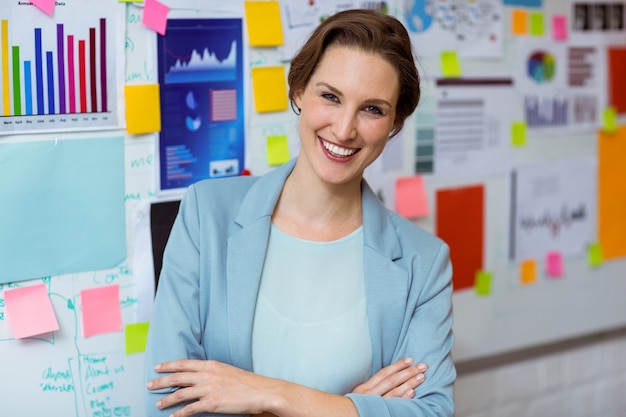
column 209, row 386
column 396, row 380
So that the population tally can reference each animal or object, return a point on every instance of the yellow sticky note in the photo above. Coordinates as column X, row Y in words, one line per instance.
column 263, row 23
column 528, row 271
column 136, row 335
column 450, row 66
column 609, row 119
column 518, row 134
column 519, row 22
column 537, row 24
column 143, row 108
column 482, row 283
column 270, row 88
column 594, row 255
column 277, row 150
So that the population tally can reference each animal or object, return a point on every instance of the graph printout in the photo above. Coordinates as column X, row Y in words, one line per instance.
column 202, row 101
column 61, row 73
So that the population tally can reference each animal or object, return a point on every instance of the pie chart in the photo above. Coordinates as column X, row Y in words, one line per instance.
column 541, row 67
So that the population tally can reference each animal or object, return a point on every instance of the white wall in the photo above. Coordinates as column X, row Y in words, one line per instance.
column 580, row 378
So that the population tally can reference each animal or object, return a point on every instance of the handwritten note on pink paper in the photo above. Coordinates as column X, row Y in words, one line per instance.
column 554, row 264
column 411, row 201
column 101, row 310
column 559, row 27
column 29, row 311
column 155, row 16
column 46, row 5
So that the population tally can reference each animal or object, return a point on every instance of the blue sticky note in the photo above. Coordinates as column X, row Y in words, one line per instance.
column 62, row 207
column 523, row 3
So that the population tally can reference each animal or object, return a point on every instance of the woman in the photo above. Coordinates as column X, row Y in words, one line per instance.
column 297, row 293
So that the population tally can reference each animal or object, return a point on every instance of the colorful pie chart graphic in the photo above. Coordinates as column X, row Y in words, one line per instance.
column 541, row 67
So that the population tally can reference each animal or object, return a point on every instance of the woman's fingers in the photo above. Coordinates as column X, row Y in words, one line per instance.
column 395, row 380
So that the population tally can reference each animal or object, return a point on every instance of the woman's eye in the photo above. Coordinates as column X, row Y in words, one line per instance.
column 374, row 110
column 329, row 96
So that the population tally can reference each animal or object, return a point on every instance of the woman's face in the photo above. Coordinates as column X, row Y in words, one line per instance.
column 348, row 110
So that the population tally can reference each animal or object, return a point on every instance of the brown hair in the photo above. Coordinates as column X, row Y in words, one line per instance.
column 370, row 31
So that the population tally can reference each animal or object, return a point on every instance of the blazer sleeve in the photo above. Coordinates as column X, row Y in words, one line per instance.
column 175, row 330
column 427, row 337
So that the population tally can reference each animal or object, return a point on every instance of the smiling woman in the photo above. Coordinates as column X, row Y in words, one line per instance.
column 298, row 293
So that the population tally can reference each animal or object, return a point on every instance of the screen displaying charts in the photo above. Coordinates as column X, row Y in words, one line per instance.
column 541, row 67
column 58, row 74
column 202, row 106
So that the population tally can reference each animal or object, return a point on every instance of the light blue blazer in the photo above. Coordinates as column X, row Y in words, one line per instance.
column 212, row 265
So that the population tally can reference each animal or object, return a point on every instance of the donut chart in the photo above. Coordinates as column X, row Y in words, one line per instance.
column 541, row 67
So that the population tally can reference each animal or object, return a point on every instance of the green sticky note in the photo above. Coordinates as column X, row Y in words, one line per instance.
column 536, row 24
column 609, row 119
column 594, row 255
column 482, row 283
column 450, row 66
column 136, row 335
column 277, row 150
column 518, row 134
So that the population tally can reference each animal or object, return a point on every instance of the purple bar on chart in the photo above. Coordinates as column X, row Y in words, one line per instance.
column 71, row 80
column 103, row 65
column 39, row 72
column 61, row 68
column 50, row 74
column 92, row 70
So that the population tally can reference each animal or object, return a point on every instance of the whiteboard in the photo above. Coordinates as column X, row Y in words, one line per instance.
column 70, row 375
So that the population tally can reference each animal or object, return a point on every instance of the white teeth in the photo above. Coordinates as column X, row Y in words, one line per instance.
column 336, row 150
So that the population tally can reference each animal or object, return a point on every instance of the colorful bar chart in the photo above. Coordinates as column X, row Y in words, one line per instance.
column 57, row 74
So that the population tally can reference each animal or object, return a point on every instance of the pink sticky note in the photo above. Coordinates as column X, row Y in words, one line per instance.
column 559, row 27
column 155, row 16
column 46, row 5
column 411, row 199
column 29, row 311
column 101, row 310
column 554, row 264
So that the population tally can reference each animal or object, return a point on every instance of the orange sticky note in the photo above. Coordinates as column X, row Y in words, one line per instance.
column 554, row 264
column 519, row 22
column 269, row 88
column 143, row 108
column 101, row 311
column 411, row 201
column 559, row 27
column 277, row 150
column 29, row 311
column 155, row 16
column 136, row 335
column 47, row 6
column 528, row 271
column 263, row 23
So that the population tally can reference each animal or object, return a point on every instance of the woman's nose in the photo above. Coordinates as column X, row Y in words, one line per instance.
column 344, row 126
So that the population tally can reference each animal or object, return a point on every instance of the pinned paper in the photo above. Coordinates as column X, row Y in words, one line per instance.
column 263, row 23
column 277, row 150
column 609, row 119
column 482, row 284
column 155, row 16
column 528, row 272
column 554, row 264
column 519, row 22
column 594, row 255
column 411, row 201
column 46, row 5
column 143, row 108
column 101, row 310
column 450, row 66
column 29, row 311
column 537, row 24
column 136, row 335
column 559, row 28
column 270, row 88
column 518, row 134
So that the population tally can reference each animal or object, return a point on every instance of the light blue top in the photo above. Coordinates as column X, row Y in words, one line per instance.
column 310, row 324
column 212, row 265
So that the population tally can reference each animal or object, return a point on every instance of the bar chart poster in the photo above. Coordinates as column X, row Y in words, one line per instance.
column 200, row 63
column 60, row 73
